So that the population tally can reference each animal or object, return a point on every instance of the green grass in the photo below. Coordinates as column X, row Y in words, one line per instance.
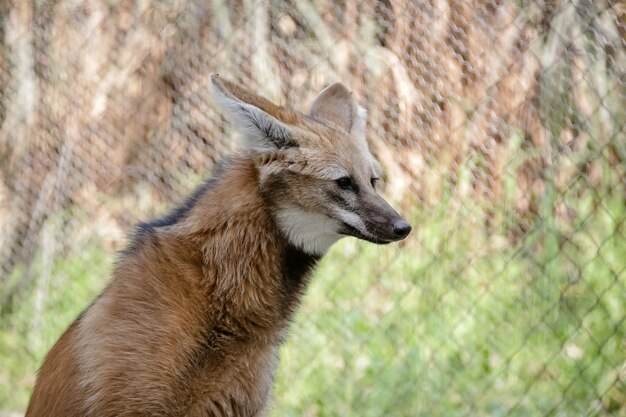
column 34, row 324
column 456, row 322
column 452, row 325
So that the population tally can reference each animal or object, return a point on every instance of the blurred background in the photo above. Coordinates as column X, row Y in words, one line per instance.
column 500, row 125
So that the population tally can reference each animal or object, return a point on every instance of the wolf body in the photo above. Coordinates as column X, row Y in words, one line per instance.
column 192, row 320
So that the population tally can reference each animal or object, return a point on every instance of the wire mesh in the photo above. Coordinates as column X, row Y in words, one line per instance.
column 500, row 125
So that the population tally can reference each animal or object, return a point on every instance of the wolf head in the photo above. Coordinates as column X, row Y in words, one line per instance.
column 315, row 170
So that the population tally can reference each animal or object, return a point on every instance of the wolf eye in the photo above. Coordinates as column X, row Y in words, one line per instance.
column 345, row 183
column 373, row 181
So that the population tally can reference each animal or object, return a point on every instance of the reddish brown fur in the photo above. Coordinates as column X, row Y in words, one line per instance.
column 198, row 305
column 177, row 332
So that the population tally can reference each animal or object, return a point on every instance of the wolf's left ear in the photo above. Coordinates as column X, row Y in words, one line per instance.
column 336, row 104
column 254, row 116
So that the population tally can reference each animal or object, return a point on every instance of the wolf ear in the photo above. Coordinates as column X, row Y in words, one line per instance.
column 335, row 104
column 254, row 116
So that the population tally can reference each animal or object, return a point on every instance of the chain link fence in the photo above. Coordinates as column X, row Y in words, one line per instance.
column 500, row 125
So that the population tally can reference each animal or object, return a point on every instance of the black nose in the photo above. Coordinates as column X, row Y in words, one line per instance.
column 401, row 228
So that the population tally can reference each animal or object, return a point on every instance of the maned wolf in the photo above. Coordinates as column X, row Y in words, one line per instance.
column 199, row 303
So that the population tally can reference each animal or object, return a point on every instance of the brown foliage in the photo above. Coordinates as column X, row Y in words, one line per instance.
column 111, row 99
